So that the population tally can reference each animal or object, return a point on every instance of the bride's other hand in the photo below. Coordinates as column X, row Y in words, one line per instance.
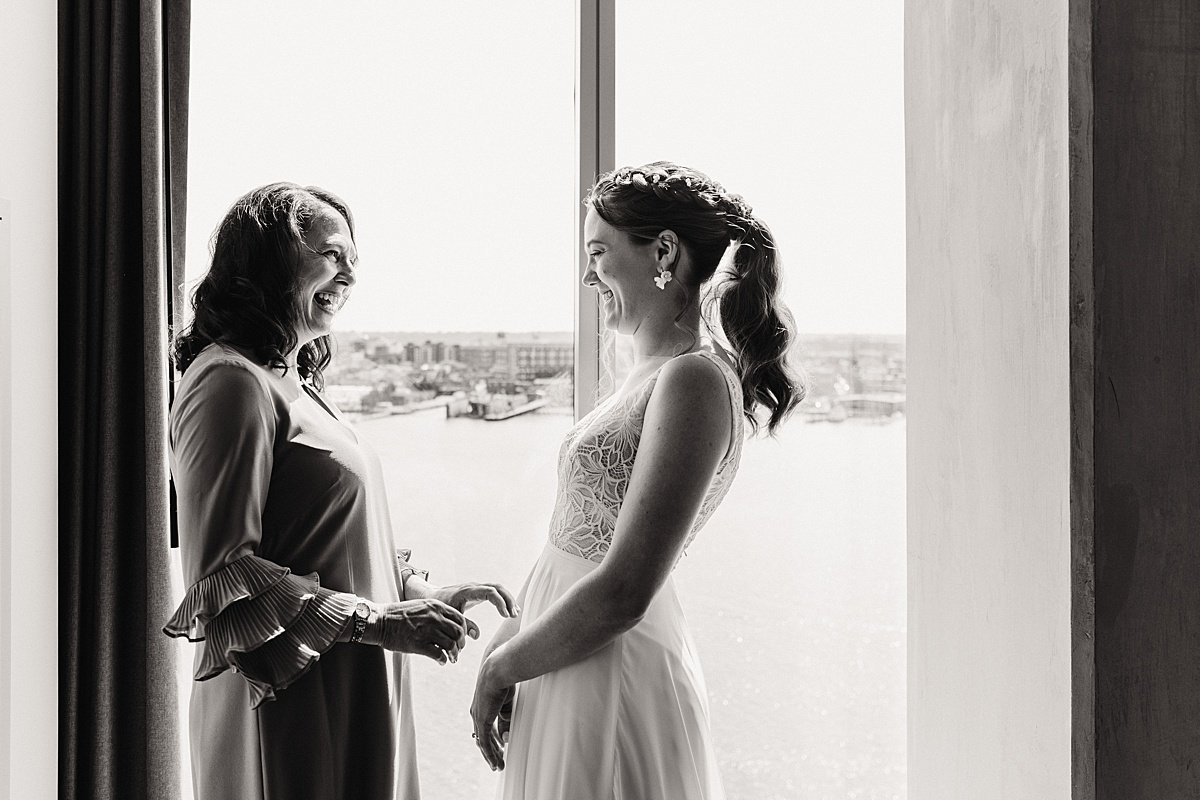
column 491, row 693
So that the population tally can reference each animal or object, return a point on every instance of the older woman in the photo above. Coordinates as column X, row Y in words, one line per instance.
column 305, row 605
column 610, row 699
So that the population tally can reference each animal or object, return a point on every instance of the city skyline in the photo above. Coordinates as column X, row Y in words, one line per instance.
column 845, row 374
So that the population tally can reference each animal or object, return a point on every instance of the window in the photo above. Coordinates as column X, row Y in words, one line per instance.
column 450, row 132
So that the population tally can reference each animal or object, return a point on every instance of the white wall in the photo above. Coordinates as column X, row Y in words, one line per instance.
column 988, row 400
column 28, row 401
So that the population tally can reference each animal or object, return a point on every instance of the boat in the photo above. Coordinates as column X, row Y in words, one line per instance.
column 493, row 406
column 516, row 411
column 878, row 406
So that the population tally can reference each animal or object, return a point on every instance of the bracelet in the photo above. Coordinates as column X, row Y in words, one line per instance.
column 407, row 570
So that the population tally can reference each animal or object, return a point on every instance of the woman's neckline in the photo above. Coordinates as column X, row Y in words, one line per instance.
column 630, row 387
column 292, row 378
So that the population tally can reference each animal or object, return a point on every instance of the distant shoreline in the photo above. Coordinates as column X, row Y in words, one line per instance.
column 892, row 336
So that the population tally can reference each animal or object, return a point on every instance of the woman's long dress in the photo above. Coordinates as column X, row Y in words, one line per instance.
column 281, row 512
column 629, row 722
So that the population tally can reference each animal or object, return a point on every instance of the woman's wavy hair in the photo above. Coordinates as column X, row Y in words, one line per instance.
column 644, row 201
column 250, row 296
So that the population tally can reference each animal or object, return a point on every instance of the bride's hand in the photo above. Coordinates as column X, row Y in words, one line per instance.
column 490, row 695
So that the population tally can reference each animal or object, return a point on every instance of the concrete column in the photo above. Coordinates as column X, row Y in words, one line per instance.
column 989, row 413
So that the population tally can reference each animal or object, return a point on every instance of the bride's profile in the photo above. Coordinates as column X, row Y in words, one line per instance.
column 608, row 698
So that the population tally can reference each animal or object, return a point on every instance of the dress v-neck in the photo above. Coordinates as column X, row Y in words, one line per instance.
column 312, row 393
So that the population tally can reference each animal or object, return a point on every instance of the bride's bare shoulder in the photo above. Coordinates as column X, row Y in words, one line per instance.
column 693, row 382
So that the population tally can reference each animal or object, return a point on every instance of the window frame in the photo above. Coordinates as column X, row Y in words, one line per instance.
column 595, row 138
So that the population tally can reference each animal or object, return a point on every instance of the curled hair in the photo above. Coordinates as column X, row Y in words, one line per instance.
column 644, row 201
column 250, row 296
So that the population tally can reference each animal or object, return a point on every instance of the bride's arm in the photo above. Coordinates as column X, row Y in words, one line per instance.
column 510, row 626
column 685, row 434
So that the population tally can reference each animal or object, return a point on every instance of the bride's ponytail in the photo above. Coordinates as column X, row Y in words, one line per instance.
column 759, row 327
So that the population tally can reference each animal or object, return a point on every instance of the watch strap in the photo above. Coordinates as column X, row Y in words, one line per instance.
column 360, row 618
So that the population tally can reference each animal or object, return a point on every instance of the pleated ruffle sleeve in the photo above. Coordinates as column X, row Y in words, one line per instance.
column 264, row 622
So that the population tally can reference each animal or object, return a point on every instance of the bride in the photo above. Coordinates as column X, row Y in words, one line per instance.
column 609, row 697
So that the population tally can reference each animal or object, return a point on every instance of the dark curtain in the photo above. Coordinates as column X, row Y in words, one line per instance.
column 120, row 205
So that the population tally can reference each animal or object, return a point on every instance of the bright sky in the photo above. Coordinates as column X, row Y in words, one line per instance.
column 448, row 128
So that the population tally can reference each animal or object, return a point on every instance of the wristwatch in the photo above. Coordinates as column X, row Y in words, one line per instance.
column 362, row 615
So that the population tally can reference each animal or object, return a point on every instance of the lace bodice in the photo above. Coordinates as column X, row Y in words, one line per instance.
column 596, row 460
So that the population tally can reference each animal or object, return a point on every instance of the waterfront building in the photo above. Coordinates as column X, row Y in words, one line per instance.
column 540, row 360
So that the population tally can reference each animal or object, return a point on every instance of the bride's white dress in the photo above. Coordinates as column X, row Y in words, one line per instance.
column 630, row 722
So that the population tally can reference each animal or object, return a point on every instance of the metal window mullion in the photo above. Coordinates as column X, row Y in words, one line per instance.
column 595, row 135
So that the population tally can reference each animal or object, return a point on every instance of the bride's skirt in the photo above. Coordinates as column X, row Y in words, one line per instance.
column 630, row 722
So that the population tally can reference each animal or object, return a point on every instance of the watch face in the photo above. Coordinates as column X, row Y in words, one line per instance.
column 362, row 611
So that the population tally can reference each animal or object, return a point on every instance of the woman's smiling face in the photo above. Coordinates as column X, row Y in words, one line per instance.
column 622, row 269
column 324, row 273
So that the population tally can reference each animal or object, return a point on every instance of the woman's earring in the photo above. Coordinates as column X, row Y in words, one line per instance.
column 663, row 278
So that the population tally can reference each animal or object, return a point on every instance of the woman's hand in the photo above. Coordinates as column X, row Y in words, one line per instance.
column 491, row 728
column 427, row 627
column 465, row 595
